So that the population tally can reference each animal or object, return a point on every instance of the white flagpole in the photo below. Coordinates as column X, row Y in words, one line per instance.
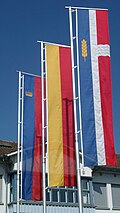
column 43, row 129
column 78, row 72
column 75, row 116
column 18, row 145
column 22, row 128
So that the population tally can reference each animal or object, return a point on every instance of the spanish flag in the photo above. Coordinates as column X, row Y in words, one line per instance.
column 61, row 137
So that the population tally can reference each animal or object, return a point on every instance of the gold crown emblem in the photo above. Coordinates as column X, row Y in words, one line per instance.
column 84, row 49
column 29, row 94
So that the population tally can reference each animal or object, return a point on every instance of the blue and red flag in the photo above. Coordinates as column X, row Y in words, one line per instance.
column 32, row 140
column 96, row 90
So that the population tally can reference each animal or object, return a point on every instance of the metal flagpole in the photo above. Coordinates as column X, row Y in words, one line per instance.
column 75, row 116
column 78, row 68
column 18, row 146
column 43, row 129
column 46, row 118
column 22, row 128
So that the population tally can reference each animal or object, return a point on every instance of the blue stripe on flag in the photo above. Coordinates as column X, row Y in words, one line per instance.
column 28, row 138
column 87, row 103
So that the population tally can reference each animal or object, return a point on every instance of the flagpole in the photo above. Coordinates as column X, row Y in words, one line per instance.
column 43, row 130
column 78, row 72
column 22, row 111
column 18, row 145
column 75, row 116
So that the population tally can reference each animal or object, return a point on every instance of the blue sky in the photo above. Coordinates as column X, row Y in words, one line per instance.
column 24, row 22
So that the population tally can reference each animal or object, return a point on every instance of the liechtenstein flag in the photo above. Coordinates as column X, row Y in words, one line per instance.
column 95, row 84
column 32, row 139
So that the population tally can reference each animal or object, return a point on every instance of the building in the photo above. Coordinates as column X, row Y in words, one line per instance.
column 100, row 188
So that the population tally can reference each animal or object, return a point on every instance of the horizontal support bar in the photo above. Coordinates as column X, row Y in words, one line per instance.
column 25, row 73
column 85, row 8
column 76, row 98
column 55, row 44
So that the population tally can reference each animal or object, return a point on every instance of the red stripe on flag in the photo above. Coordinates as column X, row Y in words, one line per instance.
column 102, row 27
column 37, row 164
column 67, row 117
column 106, row 104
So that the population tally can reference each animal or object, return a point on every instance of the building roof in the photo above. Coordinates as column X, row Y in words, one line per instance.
column 6, row 147
column 114, row 169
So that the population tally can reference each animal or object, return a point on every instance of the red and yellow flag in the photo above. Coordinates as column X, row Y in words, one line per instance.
column 61, row 142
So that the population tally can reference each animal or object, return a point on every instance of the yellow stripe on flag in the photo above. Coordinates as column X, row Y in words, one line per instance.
column 55, row 135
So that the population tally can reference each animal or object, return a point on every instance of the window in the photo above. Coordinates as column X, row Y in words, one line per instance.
column 116, row 195
column 13, row 187
column 86, row 192
column 48, row 195
column 0, row 188
column 100, row 195
column 70, row 194
column 54, row 195
column 62, row 194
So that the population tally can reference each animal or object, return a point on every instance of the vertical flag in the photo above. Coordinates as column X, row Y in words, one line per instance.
column 95, row 84
column 61, row 142
column 32, row 140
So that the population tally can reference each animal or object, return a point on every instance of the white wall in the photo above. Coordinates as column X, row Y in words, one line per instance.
column 4, row 194
column 108, row 179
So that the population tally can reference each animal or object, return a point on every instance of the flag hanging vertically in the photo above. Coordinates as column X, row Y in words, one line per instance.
column 61, row 142
column 32, row 140
column 95, row 84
